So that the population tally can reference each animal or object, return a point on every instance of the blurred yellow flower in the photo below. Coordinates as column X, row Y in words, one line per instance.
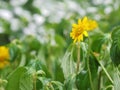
column 80, row 29
column 4, row 56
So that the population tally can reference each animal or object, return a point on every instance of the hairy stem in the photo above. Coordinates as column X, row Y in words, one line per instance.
column 34, row 81
column 106, row 72
column 99, row 79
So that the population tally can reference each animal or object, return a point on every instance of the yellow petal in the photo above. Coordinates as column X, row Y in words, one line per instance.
column 85, row 19
column 80, row 38
column 75, row 40
column 92, row 25
column 85, row 33
column 79, row 21
column 74, row 25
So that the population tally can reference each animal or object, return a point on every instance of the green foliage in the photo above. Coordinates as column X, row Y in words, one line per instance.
column 14, row 51
column 82, row 79
column 69, row 82
column 58, row 76
column 21, row 80
column 116, row 80
column 96, row 47
column 115, row 48
column 36, row 65
column 37, row 33
column 93, row 66
column 68, row 64
column 82, row 82
column 26, row 82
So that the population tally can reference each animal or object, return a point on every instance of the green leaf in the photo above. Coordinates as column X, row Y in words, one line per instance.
column 68, row 64
column 70, row 82
column 57, row 85
column 44, row 81
column 116, row 80
column 14, row 51
column 99, row 40
column 96, row 47
column 38, row 65
column 26, row 82
column 58, row 76
column 115, row 33
column 39, row 84
column 93, row 65
column 82, row 81
column 115, row 48
column 14, row 79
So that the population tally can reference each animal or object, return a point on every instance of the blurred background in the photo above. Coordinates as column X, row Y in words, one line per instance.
column 48, row 19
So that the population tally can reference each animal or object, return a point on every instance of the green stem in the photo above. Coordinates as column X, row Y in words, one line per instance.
column 89, row 72
column 110, row 86
column 0, row 81
column 88, row 66
column 34, row 81
column 99, row 80
column 78, row 57
column 106, row 72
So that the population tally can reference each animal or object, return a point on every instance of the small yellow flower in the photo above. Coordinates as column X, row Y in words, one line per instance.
column 4, row 56
column 80, row 29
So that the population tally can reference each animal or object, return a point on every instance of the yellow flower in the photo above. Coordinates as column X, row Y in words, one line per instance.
column 80, row 29
column 4, row 56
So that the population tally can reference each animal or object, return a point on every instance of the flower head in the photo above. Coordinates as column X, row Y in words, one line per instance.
column 80, row 29
column 4, row 56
